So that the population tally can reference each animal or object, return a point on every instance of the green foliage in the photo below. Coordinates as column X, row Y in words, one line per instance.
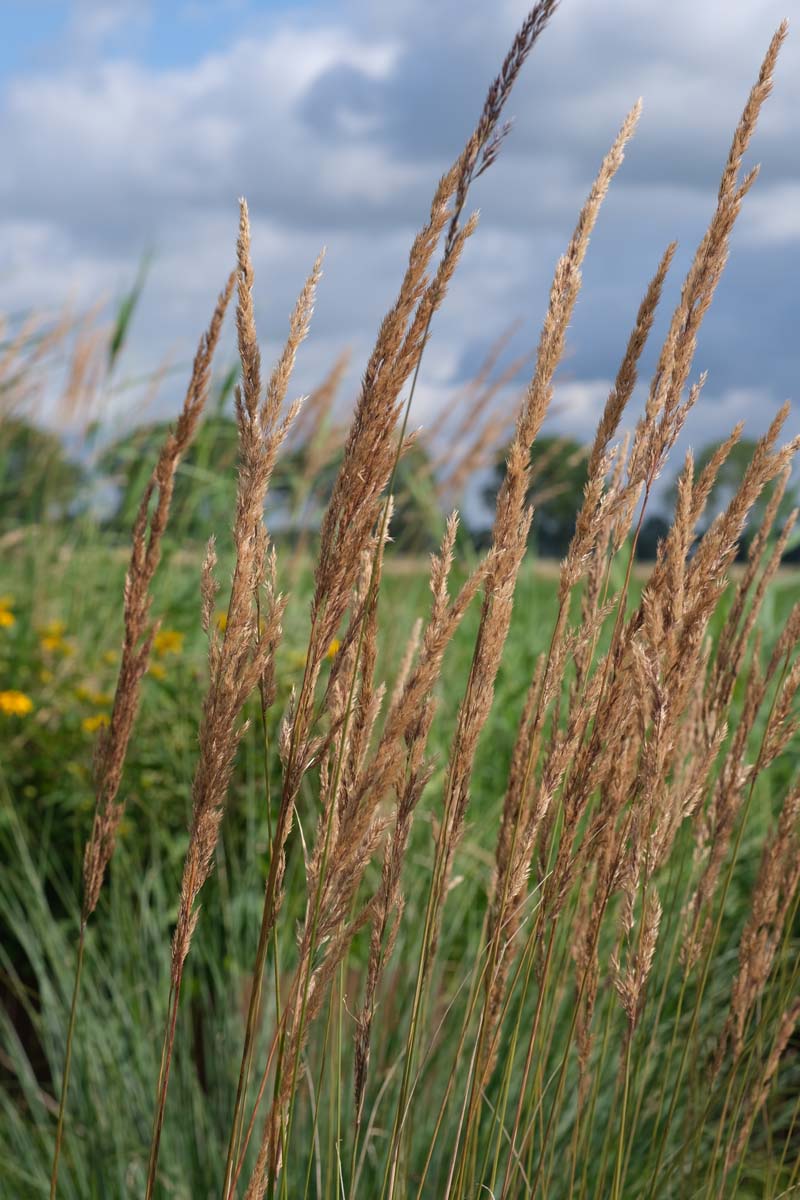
column 125, row 314
column 38, row 481
column 558, row 477
column 45, row 808
column 205, row 483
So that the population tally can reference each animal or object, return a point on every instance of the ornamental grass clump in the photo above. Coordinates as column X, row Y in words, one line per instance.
column 614, row 1025
column 138, row 637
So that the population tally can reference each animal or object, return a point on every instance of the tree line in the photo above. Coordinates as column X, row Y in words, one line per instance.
column 39, row 480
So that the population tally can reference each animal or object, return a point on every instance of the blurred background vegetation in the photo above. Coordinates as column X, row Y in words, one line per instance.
column 63, row 461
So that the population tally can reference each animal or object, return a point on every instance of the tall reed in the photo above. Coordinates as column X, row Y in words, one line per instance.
column 614, row 1030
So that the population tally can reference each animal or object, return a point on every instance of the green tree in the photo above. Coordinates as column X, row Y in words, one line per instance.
column 417, row 518
column 38, row 480
column 654, row 530
column 205, row 485
column 558, row 476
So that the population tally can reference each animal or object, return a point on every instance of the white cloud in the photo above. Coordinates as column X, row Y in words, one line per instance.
column 337, row 129
column 773, row 216
column 580, row 404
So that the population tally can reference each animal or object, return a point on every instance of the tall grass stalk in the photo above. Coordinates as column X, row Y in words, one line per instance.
column 148, row 532
column 603, row 1001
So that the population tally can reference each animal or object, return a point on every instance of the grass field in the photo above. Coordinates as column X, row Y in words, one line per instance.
column 62, row 652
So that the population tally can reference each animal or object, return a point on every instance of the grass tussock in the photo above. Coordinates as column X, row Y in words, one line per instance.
column 612, row 1010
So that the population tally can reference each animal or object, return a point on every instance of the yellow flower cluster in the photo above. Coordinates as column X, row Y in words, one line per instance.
column 168, row 641
column 297, row 658
column 51, row 638
column 95, row 722
column 15, row 704
column 7, row 618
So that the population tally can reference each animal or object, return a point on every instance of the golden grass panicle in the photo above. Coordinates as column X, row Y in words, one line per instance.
column 241, row 654
column 513, row 516
column 511, row 526
column 665, row 412
column 148, row 532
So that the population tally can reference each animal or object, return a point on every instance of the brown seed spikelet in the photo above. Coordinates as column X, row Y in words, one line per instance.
column 241, row 656
column 148, row 532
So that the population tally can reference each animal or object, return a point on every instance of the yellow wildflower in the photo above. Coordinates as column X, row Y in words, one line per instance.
column 95, row 722
column 15, row 704
column 158, row 671
column 51, row 638
column 7, row 618
column 168, row 641
column 46, row 676
column 51, row 644
column 54, row 629
column 333, row 649
column 110, row 657
column 221, row 621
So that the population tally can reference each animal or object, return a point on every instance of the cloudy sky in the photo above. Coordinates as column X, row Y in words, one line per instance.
column 134, row 125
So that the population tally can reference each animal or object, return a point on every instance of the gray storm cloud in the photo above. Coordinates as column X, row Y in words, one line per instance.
column 336, row 121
